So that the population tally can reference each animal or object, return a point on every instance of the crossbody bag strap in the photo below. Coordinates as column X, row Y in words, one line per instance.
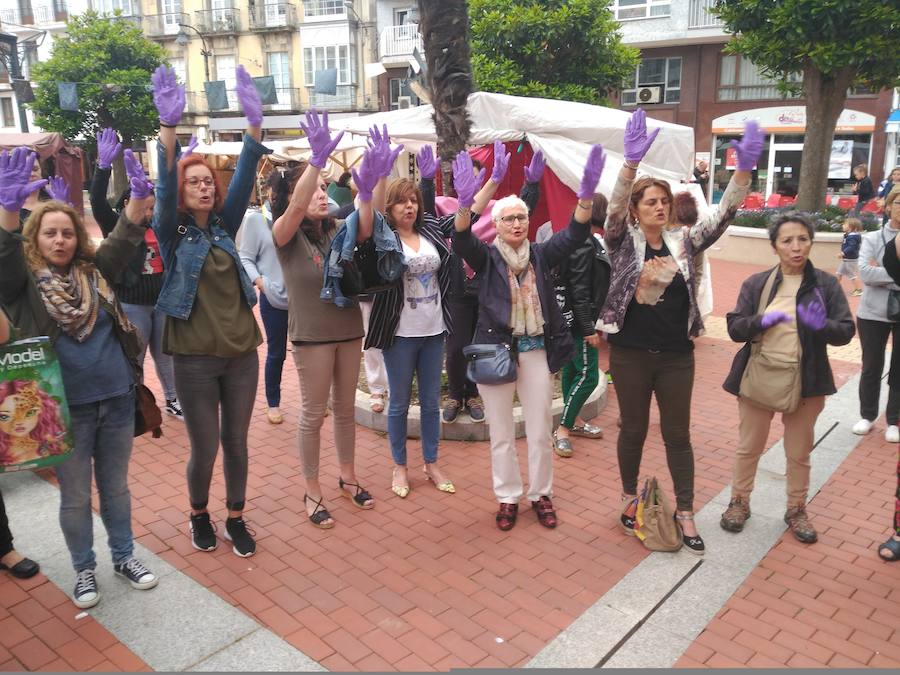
column 764, row 298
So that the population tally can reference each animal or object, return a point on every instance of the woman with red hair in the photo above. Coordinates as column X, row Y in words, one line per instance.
column 208, row 298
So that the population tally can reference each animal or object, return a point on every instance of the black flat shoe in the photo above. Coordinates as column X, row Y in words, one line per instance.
column 24, row 569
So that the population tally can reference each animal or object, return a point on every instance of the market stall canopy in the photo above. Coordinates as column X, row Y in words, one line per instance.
column 66, row 159
column 563, row 130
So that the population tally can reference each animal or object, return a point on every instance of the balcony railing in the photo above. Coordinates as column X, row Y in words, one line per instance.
column 322, row 8
column 288, row 99
column 399, row 40
column 345, row 99
column 701, row 16
column 43, row 14
column 273, row 16
column 10, row 15
column 164, row 25
column 224, row 20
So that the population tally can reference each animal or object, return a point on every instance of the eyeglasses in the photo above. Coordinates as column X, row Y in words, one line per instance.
column 510, row 219
column 193, row 181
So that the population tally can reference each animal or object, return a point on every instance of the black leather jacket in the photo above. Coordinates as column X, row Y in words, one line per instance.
column 582, row 284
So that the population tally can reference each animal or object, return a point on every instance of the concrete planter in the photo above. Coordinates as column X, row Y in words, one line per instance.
column 751, row 245
column 464, row 429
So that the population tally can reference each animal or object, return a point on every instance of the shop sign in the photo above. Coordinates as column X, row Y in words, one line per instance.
column 789, row 119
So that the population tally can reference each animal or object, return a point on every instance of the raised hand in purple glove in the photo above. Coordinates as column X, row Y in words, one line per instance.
column 773, row 318
column 15, row 173
column 535, row 168
column 190, row 147
column 141, row 186
column 501, row 162
column 168, row 95
column 380, row 147
column 426, row 161
column 637, row 141
column 750, row 146
column 367, row 177
column 320, row 141
column 592, row 172
column 465, row 181
column 247, row 94
column 813, row 314
column 108, row 148
column 58, row 189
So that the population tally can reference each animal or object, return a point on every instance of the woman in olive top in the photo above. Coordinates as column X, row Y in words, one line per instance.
column 207, row 297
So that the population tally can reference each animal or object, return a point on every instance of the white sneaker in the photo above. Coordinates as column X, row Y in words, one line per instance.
column 892, row 434
column 863, row 427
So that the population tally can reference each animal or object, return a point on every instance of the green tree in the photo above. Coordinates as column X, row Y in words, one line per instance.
column 834, row 45
column 111, row 61
column 560, row 49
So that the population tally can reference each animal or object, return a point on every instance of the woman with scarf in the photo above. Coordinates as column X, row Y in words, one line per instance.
column 54, row 283
column 517, row 307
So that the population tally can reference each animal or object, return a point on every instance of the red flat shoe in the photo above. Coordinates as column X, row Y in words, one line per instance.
column 545, row 513
column 506, row 516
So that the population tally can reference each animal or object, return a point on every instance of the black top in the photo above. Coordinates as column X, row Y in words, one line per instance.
column 865, row 190
column 662, row 326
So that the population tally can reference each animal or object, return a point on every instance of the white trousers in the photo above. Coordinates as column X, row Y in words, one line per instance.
column 373, row 359
column 535, row 389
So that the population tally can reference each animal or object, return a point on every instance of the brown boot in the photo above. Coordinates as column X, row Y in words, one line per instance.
column 799, row 524
column 736, row 514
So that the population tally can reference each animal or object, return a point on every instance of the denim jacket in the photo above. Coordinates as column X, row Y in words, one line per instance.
column 184, row 246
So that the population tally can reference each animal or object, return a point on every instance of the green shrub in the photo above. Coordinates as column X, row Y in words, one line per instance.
column 829, row 219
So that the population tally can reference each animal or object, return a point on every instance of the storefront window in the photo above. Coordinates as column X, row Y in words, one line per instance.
column 849, row 150
column 724, row 167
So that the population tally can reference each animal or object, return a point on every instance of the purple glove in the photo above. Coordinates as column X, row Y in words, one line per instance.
column 501, row 162
column 750, row 147
column 535, row 168
column 592, row 172
column 427, row 163
column 813, row 315
column 465, row 181
column 774, row 318
column 367, row 178
column 380, row 147
column 15, row 171
column 58, row 189
column 247, row 94
column 108, row 148
column 168, row 95
column 320, row 141
column 141, row 186
column 190, row 147
column 637, row 142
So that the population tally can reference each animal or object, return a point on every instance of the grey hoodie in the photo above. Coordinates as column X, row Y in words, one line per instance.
column 877, row 283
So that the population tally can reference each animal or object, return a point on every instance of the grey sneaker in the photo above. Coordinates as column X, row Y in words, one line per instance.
column 736, row 514
column 86, row 593
column 451, row 410
column 475, row 409
column 137, row 573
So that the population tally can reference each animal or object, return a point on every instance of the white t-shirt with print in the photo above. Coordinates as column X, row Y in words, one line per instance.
column 421, row 315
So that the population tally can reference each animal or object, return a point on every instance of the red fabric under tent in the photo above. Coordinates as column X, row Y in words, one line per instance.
column 66, row 159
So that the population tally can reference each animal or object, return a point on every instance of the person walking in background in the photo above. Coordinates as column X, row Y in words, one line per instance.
column 140, row 283
column 875, row 327
column 260, row 260
column 208, row 298
column 849, row 255
column 584, row 277
column 805, row 311
column 863, row 188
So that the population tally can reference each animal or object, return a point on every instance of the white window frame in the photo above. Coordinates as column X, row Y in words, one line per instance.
column 319, row 8
column 341, row 57
column 7, row 123
column 650, row 9
column 667, row 99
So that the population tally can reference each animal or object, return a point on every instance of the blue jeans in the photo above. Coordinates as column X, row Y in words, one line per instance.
column 103, row 433
column 275, row 321
column 423, row 357
column 150, row 324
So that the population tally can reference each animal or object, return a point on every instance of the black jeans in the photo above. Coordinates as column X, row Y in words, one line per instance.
column 873, row 337
column 464, row 315
column 637, row 375
column 6, row 537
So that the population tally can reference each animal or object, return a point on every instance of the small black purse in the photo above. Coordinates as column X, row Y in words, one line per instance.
column 361, row 275
column 491, row 363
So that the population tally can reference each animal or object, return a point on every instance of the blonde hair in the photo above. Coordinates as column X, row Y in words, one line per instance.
column 854, row 224
column 84, row 250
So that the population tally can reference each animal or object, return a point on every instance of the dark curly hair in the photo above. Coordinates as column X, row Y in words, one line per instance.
column 282, row 183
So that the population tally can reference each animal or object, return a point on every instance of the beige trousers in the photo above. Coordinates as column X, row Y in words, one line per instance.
column 798, row 443
column 329, row 366
column 535, row 390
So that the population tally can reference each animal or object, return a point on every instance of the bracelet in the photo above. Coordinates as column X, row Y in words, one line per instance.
column 167, row 126
column 464, row 210
column 585, row 204
column 633, row 167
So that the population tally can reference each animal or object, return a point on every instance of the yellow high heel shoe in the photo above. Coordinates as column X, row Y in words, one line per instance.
column 400, row 490
column 445, row 486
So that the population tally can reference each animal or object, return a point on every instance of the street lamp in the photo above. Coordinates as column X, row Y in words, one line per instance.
column 182, row 39
column 349, row 5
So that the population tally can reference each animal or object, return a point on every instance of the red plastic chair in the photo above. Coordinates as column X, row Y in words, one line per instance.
column 871, row 206
column 846, row 203
column 773, row 201
column 786, row 201
column 752, row 201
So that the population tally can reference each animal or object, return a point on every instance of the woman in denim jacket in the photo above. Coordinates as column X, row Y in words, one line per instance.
column 208, row 298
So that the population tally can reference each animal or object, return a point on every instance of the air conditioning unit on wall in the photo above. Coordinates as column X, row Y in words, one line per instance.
column 652, row 94
column 404, row 102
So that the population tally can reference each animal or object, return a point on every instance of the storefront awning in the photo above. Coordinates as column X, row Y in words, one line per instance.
column 893, row 122
column 789, row 119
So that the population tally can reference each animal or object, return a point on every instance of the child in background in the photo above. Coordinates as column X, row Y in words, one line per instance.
column 849, row 255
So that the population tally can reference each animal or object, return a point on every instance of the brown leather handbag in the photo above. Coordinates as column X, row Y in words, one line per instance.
column 147, row 416
column 655, row 523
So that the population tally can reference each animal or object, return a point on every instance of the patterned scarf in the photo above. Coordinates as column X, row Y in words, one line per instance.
column 526, row 317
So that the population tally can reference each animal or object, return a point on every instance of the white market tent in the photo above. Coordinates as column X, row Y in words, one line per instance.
column 563, row 130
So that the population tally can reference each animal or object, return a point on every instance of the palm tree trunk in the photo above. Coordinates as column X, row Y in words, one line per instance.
column 444, row 25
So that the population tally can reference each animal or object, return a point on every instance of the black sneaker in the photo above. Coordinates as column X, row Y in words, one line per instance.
column 203, row 535
column 237, row 533
column 173, row 407
column 476, row 410
column 451, row 410
column 135, row 571
column 86, row 593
